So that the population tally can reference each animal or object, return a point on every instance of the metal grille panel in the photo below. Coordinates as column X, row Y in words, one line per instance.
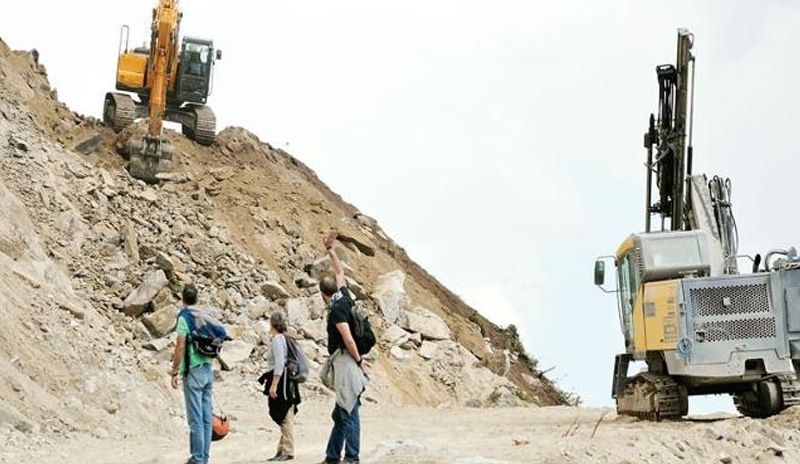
column 639, row 263
column 738, row 329
column 730, row 300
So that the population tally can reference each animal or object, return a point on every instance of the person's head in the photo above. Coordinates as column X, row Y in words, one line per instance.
column 327, row 287
column 189, row 294
column 278, row 321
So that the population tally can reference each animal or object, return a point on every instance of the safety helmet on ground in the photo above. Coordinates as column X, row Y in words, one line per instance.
column 220, row 426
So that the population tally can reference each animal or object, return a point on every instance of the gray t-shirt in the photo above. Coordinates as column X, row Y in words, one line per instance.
column 276, row 361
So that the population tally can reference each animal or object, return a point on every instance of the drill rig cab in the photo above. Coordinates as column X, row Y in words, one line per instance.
column 172, row 83
column 699, row 325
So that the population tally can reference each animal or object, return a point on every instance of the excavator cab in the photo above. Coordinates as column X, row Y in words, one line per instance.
column 195, row 66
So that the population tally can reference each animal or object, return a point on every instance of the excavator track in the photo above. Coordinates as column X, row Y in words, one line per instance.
column 204, row 131
column 119, row 111
column 790, row 390
column 769, row 397
column 654, row 397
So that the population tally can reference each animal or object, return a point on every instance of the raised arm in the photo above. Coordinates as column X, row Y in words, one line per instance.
column 336, row 263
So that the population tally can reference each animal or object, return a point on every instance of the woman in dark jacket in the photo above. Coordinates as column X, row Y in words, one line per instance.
column 284, row 394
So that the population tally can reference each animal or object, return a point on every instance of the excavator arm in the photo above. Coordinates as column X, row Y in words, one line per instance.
column 154, row 154
column 163, row 63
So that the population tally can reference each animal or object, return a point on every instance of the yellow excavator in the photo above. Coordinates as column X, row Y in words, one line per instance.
column 699, row 325
column 172, row 80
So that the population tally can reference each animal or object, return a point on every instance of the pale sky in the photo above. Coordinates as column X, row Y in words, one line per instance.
column 498, row 141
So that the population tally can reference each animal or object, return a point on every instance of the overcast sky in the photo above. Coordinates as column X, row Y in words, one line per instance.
column 499, row 141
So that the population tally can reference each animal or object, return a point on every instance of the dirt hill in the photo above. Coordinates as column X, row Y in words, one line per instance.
column 92, row 261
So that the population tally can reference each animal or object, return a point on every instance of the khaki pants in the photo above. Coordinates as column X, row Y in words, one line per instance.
column 286, row 444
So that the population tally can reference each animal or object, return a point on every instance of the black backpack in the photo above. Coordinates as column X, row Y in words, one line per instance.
column 358, row 322
column 362, row 330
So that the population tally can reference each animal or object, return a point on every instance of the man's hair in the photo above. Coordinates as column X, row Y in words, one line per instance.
column 189, row 294
column 278, row 321
column 327, row 285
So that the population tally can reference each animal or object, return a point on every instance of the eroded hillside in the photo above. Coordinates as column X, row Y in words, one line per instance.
column 91, row 262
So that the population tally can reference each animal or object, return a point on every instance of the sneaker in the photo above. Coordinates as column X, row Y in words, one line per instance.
column 330, row 461
column 281, row 457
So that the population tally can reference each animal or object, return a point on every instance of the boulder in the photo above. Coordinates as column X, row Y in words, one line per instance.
column 131, row 242
column 274, row 290
column 236, row 331
column 159, row 344
column 312, row 350
column 251, row 336
column 395, row 335
column 428, row 350
column 140, row 332
column 316, row 306
column 149, row 195
column 89, row 145
column 162, row 321
column 302, row 280
column 259, row 307
column 67, row 222
column 233, row 353
column 315, row 330
column 164, row 298
column 262, row 328
column 105, row 233
column 408, row 345
column 165, row 263
column 400, row 354
column 118, row 261
column 504, row 396
column 356, row 289
column 140, row 300
column 322, row 267
column 364, row 246
column 297, row 311
column 176, row 177
column 426, row 323
column 390, row 295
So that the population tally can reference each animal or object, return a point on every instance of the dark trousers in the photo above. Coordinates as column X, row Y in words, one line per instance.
column 346, row 434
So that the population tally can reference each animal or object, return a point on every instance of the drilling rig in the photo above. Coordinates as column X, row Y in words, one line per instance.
column 699, row 325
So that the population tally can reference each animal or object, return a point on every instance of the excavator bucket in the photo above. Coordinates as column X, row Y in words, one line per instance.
column 149, row 156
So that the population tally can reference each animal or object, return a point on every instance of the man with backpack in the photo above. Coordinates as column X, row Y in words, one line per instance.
column 349, row 368
column 195, row 368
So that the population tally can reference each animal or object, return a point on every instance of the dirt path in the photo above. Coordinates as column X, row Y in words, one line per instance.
column 395, row 434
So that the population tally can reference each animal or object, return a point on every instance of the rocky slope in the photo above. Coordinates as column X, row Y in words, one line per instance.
column 92, row 260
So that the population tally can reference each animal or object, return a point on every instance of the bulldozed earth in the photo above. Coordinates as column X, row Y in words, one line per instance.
column 92, row 260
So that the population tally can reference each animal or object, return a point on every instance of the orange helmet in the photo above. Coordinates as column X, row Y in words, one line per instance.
column 219, row 427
